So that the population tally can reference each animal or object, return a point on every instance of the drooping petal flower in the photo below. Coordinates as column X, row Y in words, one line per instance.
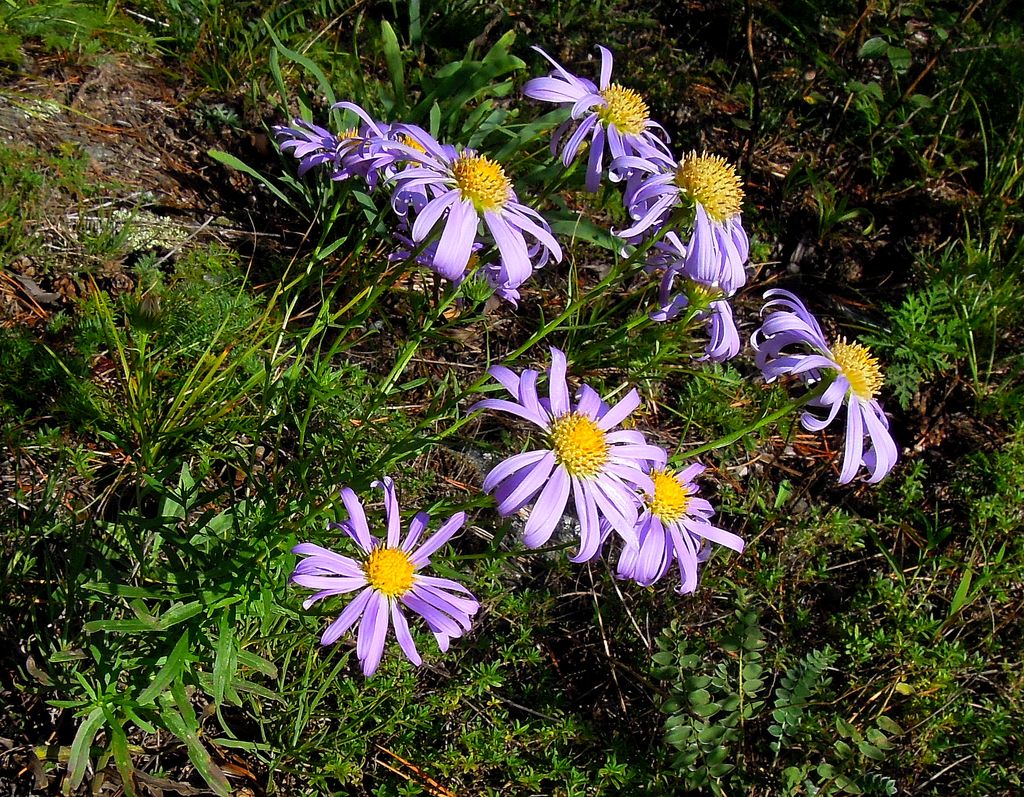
column 781, row 345
column 707, row 185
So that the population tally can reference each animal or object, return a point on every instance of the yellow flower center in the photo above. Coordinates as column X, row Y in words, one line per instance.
column 701, row 296
column 670, row 498
column 347, row 140
column 482, row 181
column 710, row 180
column 412, row 143
column 389, row 571
column 858, row 366
column 579, row 445
column 625, row 109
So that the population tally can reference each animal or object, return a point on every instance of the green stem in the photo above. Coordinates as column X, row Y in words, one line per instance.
column 732, row 437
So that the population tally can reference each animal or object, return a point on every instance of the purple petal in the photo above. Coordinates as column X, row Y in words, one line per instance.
column 548, row 510
column 508, row 467
column 507, row 377
column 884, row 451
column 325, row 560
column 439, row 538
column 715, row 534
column 431, row 213
column 391, row 512
column 436, row 619
column 590, row 526
column 360, row 531
column 854, row 446
column 416, row 528
column 348, row 616
column 620, row 411
column 517, row 491
column 558, row 390
column 595, row 160
column 334, row 585
column 511, row 407
column 456, row 244
column 512, row 249
column 373, row 632
column 403, row 636
column 606, row 67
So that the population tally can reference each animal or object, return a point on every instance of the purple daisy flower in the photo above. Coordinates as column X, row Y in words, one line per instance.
column 616, row 118
column 366, row 159
column 358, row 151
column 464, row 188
column 314, row 145
column 858, row 378
column 675, row 525
column 389, row 578
column 718, row 247
column 584, row 456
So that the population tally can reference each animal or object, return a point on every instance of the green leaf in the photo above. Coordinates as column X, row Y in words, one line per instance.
column 80, row 747
column 583, row 229
column 871, row 751
column 258, row 663
column 122, row 590
column 960, row 597
column 415, row 28
column 711, row 735
column 275, row 72
column 120, row 626
column 700, row 697
column 785, row 489
column 197, row 753
column 707, row 711
column 664, row 659
column 846, row 730
column 899, row 58
column 122, row 757
column 325, row 84
column 435, row 119
column 170, row 672
column 889, row 725
column 677, row 737
column 255, row 689
column 179, row 613
column 64, row 656
column 225, row 660
column 873, row 48
column 230, row 160
column 393, row 58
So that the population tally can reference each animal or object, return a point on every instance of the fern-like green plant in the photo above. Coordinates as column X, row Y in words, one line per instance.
column 797, row 688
